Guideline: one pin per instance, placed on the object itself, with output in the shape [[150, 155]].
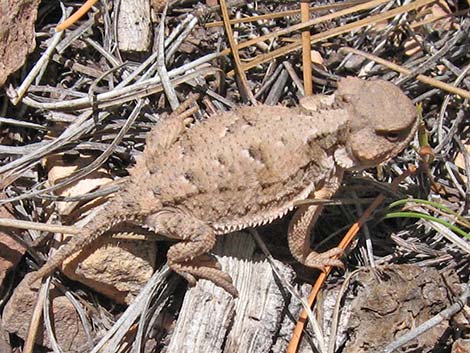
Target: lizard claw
[[327, 258], [190, 272], [206, 260]]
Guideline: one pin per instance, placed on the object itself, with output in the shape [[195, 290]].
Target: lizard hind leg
[[299, 240], [301, 225], [189, 257]]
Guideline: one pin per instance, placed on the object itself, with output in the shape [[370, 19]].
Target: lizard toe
[[190, 272], [187, 276], [206, 260], [327, 258]]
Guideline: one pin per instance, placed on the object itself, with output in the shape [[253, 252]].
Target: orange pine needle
[[76, 16], [306, 49]]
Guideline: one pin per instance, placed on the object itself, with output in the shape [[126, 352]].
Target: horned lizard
[[247, 167]]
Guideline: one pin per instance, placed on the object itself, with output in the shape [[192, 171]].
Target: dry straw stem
[[261, 59], [437, 18], [76, 16], [37, 68], [306, 50], [46, 308], [309, 23], [89, 3], [53, 228], [282, 14], [157, 289], [168, 88], [126, 94], [428, 80], [70, 230], [35, 320], [348, 238], [245, 89]]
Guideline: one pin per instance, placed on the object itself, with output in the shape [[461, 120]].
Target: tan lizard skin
[[250, 166]]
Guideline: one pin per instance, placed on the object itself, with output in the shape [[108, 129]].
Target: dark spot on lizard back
[[255, 153], [189, 176], [221, 160]]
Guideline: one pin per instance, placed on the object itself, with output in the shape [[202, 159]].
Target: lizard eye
[[392, 136]]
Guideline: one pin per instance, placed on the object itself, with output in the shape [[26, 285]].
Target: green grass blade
[[429, 218]]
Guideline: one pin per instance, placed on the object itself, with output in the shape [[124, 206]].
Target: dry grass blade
[[332, 32], [245, 90], [126, 94], [57, 228], [283, 14], [306, 50], [348, 238], [47, 318], [156, 287], [433, 19], [428, 80], [310, 23], [38, 67], [337, 310], [53, 228], [161, 67], [22, 123], [35, 320]]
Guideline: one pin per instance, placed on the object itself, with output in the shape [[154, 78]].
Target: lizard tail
[[75, 244]]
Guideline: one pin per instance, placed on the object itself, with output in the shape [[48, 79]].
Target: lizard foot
[[206, 260], [189, 258], [191, 272], [321, 260]]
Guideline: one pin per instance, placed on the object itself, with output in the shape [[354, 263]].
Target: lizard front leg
[[301, 225], [169, 130], [189, 257]]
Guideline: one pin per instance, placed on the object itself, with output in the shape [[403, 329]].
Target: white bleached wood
[[134, 26], [211, 320]]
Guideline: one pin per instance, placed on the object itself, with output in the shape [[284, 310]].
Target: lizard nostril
[[347, 98]]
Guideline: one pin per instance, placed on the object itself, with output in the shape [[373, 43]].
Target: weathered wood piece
[[17, 34], [134, 26], [211, 320]]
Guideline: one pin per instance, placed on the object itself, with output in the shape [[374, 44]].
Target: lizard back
[[248, 166]]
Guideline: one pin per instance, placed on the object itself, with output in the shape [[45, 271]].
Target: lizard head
[[383, 120]]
